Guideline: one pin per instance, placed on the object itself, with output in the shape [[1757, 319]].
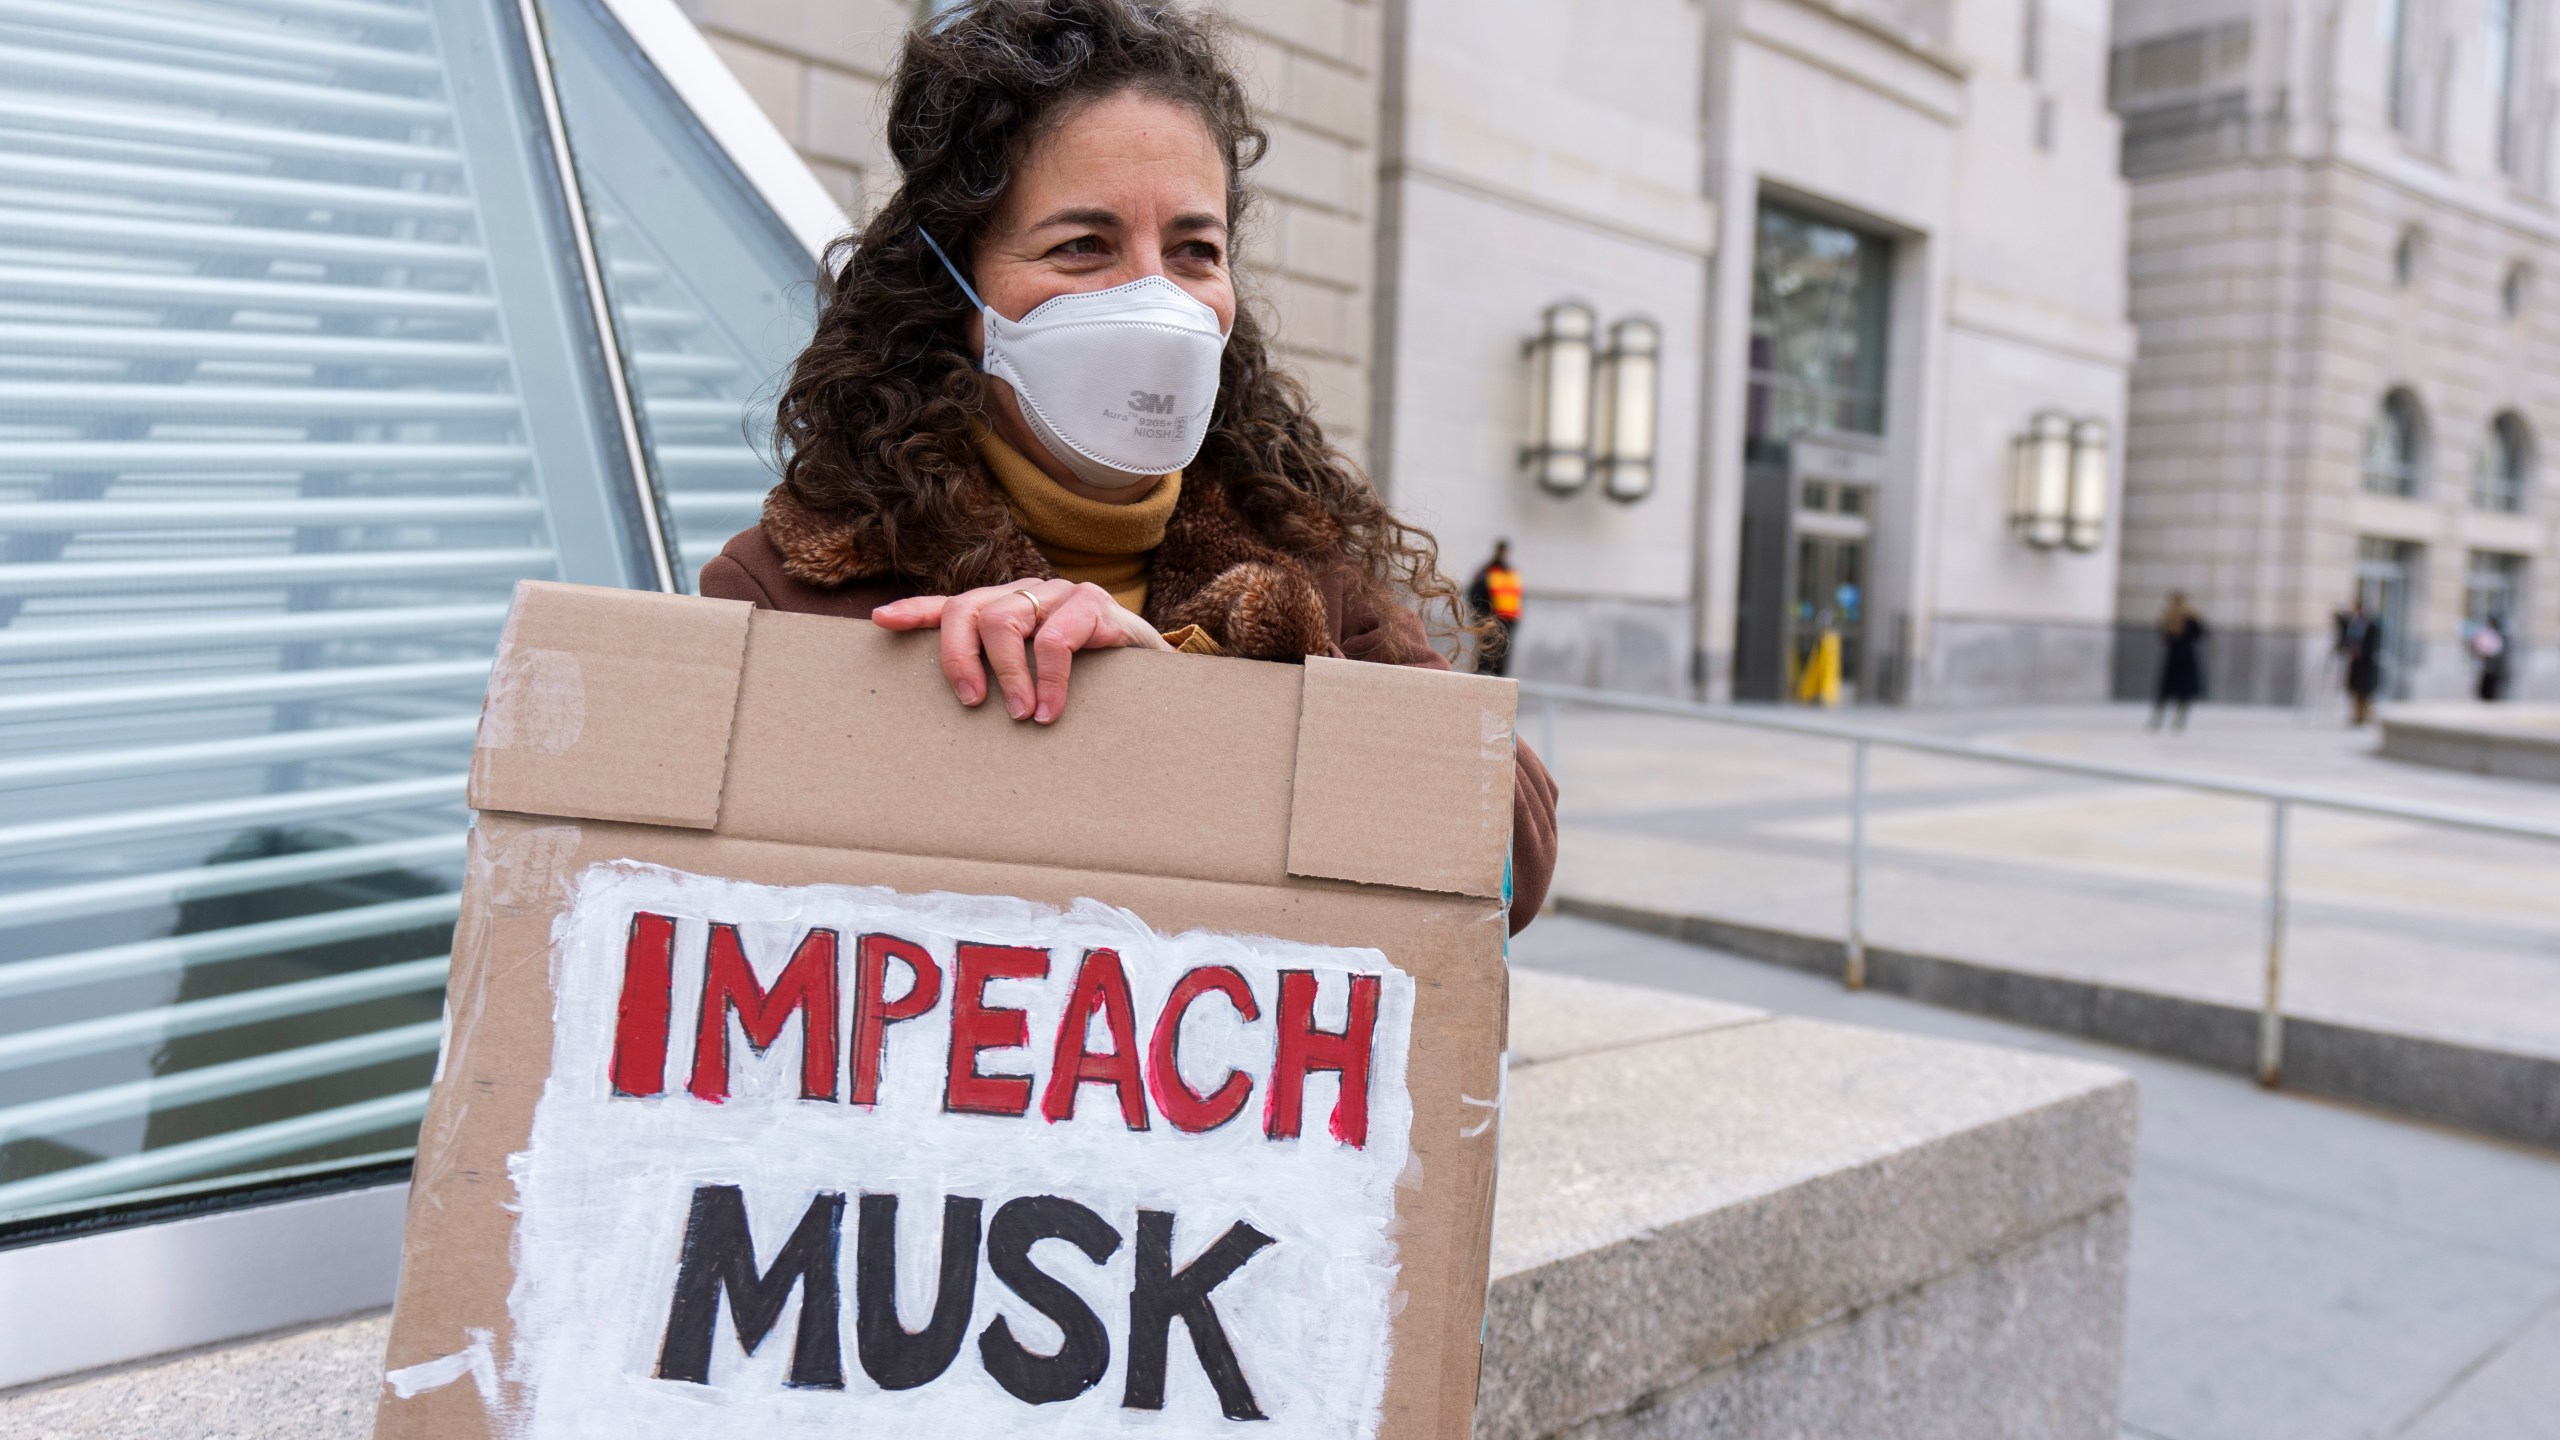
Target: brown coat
[[1208, 572]]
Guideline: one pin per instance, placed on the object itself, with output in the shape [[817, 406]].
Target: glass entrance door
[[1827, 593], [2386, 573], [1830, 599], [1814, 418]]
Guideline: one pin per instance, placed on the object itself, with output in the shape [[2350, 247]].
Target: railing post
[[2271, 1019], [1854, 972], [1547, 736]]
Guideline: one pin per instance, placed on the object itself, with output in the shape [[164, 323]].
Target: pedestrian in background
[[2489, 646], [1494, 596], [2181, 684], [2360, 646]]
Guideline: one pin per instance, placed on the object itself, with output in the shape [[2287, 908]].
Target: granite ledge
[[1800, 1221], [1817, 1169]]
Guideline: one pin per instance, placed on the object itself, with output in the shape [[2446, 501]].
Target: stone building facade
[[1876, 238], [2344, 260]]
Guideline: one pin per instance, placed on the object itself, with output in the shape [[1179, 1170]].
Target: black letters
[[1086, 1351], [896, 1357], [1162, 1294], [719, 1255], [719, 1258]]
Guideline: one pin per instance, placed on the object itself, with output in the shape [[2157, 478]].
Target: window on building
[[2407, 255], [2186, 68], [2515, 290], [2506, 465], [2401, 104], [2184, 97], [2500, 44], [1824, 497], [2395, 447], [2493, 586], [1818, 316], [300, 373]]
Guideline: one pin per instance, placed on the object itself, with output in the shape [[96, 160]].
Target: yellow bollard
[[1819, 683]]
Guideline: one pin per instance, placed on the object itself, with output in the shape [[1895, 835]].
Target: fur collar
[[1213, 570]]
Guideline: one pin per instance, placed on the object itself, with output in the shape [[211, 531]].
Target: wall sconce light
[[1626, 412], [2058, 482], [1560, 364], [2089, 451]]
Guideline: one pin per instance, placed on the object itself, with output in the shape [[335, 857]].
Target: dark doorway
[[1812, 451]]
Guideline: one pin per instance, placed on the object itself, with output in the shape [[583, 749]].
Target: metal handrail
[[2280, 801]]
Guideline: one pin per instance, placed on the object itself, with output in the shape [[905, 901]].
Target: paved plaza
[[2301, 1269], [2396, 926]]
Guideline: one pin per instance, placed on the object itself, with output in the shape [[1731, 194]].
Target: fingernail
[[970, 695], [1015, 708]]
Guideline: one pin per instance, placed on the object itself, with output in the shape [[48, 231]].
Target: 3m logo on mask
[[1147, 402]]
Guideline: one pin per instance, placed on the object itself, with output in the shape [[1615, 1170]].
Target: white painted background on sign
[[605, 1182]]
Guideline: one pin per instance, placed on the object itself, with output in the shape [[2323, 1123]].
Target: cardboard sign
[[827, 1058]]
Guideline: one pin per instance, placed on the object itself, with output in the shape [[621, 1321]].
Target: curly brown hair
[[876, 425]]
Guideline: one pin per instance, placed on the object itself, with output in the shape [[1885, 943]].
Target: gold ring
[[1038, 615]]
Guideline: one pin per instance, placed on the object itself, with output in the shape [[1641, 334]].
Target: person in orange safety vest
[[1495, 595]]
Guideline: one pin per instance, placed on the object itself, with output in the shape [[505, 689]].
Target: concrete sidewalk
[[2301, 1269], [2397, 927]]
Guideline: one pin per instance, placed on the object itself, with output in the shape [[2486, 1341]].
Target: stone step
[[1713, 1220]]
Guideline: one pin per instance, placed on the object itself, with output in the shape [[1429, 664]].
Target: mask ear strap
[[965, 287]]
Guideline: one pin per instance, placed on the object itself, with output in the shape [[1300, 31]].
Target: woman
[[2489, 646], [2181, 660], [1035, 416], [2360, 646]]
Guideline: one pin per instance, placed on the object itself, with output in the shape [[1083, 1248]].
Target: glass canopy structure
[[322, 324]]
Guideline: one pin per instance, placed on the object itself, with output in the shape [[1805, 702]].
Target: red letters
[[640, 1024], [976, 1026], [874, 1011], [810, 985], [1100, 984], [1190, 1111], [807, 984], [1304, 1048]]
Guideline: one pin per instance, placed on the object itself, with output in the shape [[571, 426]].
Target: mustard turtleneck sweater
[[1084, 540]]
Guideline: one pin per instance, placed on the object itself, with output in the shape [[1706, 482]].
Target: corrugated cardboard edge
[[1404, 778], [847, 735], [611, 705]]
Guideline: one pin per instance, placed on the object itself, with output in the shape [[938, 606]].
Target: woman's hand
[[1028, 634]]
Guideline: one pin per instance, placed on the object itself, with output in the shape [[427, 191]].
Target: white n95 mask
[[1117, 383]]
